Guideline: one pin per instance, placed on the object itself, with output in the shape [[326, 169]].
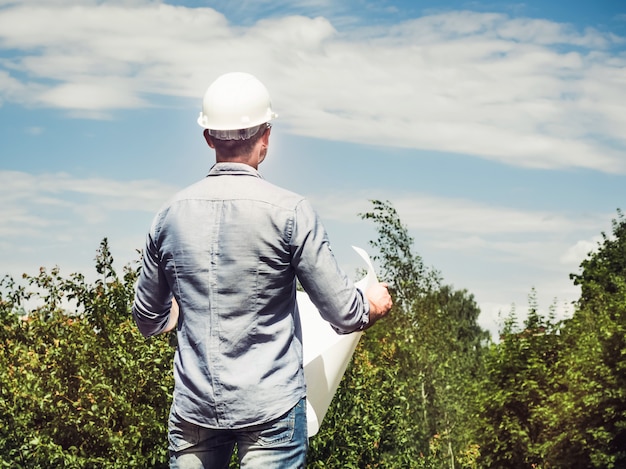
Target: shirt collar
[[235, 169]]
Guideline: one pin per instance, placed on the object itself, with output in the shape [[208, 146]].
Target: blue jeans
[[280, 443]]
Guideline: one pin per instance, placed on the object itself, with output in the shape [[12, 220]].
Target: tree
[[402, 401], [514, 399], [592, 432], [81, 388], [555, 392], [603, 271]]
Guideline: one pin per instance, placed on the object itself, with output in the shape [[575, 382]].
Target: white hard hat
[[235, 106]]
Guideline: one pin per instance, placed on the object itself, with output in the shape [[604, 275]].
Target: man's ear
[[264, 142], [266, 136], [208, 138]]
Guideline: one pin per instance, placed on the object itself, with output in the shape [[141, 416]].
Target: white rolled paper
[[326, 353]]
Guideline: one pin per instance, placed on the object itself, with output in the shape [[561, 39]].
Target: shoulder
[[237, 188], [280, 196]]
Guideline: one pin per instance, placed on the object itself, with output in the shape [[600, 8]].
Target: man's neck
[[246, 159]]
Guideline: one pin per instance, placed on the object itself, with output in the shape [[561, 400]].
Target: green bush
[[81, 388]]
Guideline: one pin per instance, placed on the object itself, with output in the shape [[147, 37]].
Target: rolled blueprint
[[326, 353]]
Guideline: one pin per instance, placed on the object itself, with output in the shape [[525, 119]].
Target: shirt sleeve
[[153, 296], [336, 297]]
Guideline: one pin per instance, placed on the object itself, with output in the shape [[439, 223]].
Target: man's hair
[[232, 148]]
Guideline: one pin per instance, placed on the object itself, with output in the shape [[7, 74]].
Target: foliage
[[409, 278], [515, 394], [592, 432], [80, 389], [402, 401], [555, 392]]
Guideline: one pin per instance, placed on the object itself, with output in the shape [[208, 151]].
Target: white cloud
[[465, 216], [85, 96], [428, 213], [496, 252], [540, 31], [526, 92], [58, 219], [35, 204], [576, 253]]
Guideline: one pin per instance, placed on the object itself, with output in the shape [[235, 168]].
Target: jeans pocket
[[181, 434], [275, 432]]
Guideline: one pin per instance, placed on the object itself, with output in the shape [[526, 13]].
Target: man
[[220, 264]]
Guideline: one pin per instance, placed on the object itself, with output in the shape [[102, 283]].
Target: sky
[[495, 129]]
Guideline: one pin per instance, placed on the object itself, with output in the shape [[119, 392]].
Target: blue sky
[[494, 128]]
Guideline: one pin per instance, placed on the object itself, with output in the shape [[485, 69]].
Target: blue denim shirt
[[229, 249]]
